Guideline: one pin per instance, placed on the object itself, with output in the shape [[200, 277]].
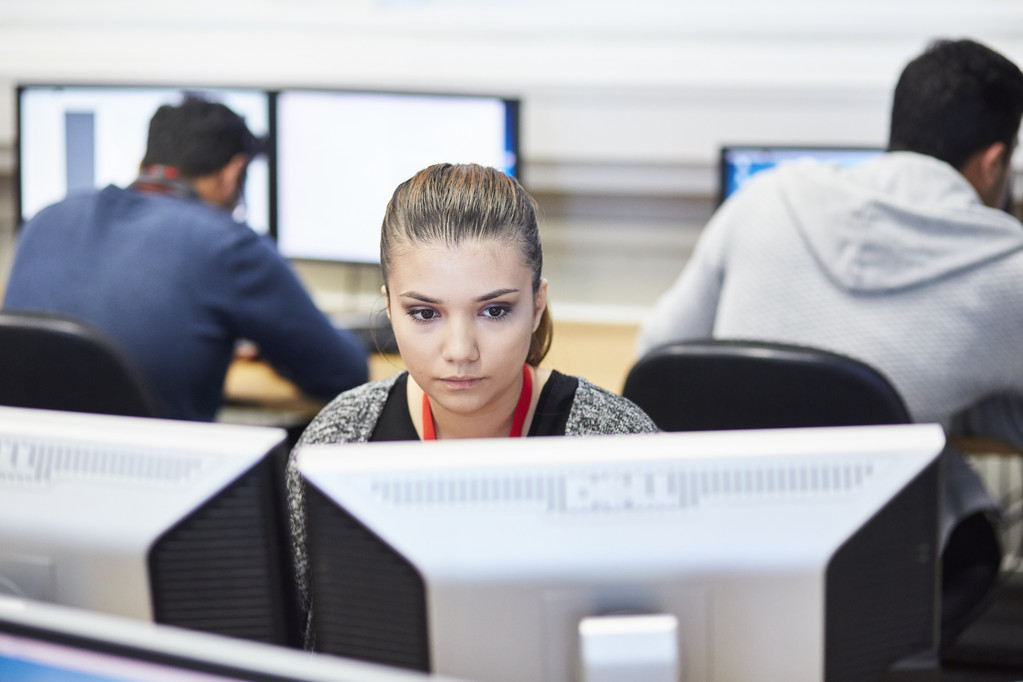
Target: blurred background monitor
[[341, 154], [738, 163], [73, 137], [48, 643], [159, 520], [783, 554]]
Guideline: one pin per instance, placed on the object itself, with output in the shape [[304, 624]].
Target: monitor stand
[[625, 648]]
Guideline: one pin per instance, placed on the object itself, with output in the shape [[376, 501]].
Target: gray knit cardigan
[[353, 415]]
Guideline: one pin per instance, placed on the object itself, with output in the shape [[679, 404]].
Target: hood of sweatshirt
[[897, 221]]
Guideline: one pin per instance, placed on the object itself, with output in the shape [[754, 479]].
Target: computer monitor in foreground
[[738, 163], [159, 520], [705, 557], [74, 137], [341, 154], [55, 643]]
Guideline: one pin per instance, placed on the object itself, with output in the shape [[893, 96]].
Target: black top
[[549, 418]]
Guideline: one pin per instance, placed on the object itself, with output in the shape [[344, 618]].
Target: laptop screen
[[739, 163]]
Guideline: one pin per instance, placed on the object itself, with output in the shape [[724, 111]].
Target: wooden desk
[[255, 394], [601, 353], [982, 445]]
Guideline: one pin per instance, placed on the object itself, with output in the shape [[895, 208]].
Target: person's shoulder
[[212, 232], [75, 214], [351, 416], [75, 201], [596, 410]]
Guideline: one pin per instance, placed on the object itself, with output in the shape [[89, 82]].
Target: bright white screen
[[340, 156], [119, 122]]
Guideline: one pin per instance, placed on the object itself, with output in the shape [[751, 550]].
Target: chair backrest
[[53, 362], [730, 384]]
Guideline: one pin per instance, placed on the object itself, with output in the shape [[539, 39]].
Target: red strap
[[518, 420], [525, 398]]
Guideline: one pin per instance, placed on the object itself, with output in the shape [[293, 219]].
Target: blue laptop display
[[739, 163]]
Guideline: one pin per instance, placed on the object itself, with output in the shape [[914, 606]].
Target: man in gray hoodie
[[905, 262]]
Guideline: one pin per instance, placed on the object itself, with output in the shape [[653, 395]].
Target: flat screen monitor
[[738, 163], [789, 554], [45, 642], [74, 137], [158, 520], [341, 154]]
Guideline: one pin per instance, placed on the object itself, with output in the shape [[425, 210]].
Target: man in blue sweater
[[164, 269]]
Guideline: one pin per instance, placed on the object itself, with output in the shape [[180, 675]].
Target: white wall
[[625, 103], [643, 81]]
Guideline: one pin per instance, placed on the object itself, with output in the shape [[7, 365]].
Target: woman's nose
[[460, 342]]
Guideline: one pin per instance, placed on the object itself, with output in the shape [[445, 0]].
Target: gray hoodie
[[903, 221], [896, 262]]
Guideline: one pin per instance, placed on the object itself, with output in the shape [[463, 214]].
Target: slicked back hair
[[452, 204]]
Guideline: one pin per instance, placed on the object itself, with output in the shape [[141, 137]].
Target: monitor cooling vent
[[33, 462], [620, 490]]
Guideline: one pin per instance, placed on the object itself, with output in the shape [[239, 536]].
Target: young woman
[[461, 260]]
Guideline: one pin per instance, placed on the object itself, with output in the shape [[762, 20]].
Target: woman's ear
[[539, 302], [387, 300]]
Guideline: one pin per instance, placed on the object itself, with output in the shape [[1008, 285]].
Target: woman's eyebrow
[[497, 293], [418, 297]]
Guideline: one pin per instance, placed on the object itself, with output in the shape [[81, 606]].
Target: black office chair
[[718, 384], [53, 362]]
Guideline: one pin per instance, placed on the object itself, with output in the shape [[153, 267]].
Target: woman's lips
[[460, 382]]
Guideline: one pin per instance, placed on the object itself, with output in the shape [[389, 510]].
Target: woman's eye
[[495, 311], [422, 314]]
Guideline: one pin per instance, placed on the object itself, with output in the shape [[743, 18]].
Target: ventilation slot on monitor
[[30, 462], [230, 552], [637, 489], [445, 491], [368, 601]]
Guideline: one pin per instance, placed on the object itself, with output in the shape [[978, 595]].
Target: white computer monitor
[[40, 641], [802, 554], [341, 154], [73, 137], [159, 520]]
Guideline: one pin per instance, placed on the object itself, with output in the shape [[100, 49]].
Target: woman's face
[[463, 317]]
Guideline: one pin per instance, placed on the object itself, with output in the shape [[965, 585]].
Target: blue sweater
[[176, 283]]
